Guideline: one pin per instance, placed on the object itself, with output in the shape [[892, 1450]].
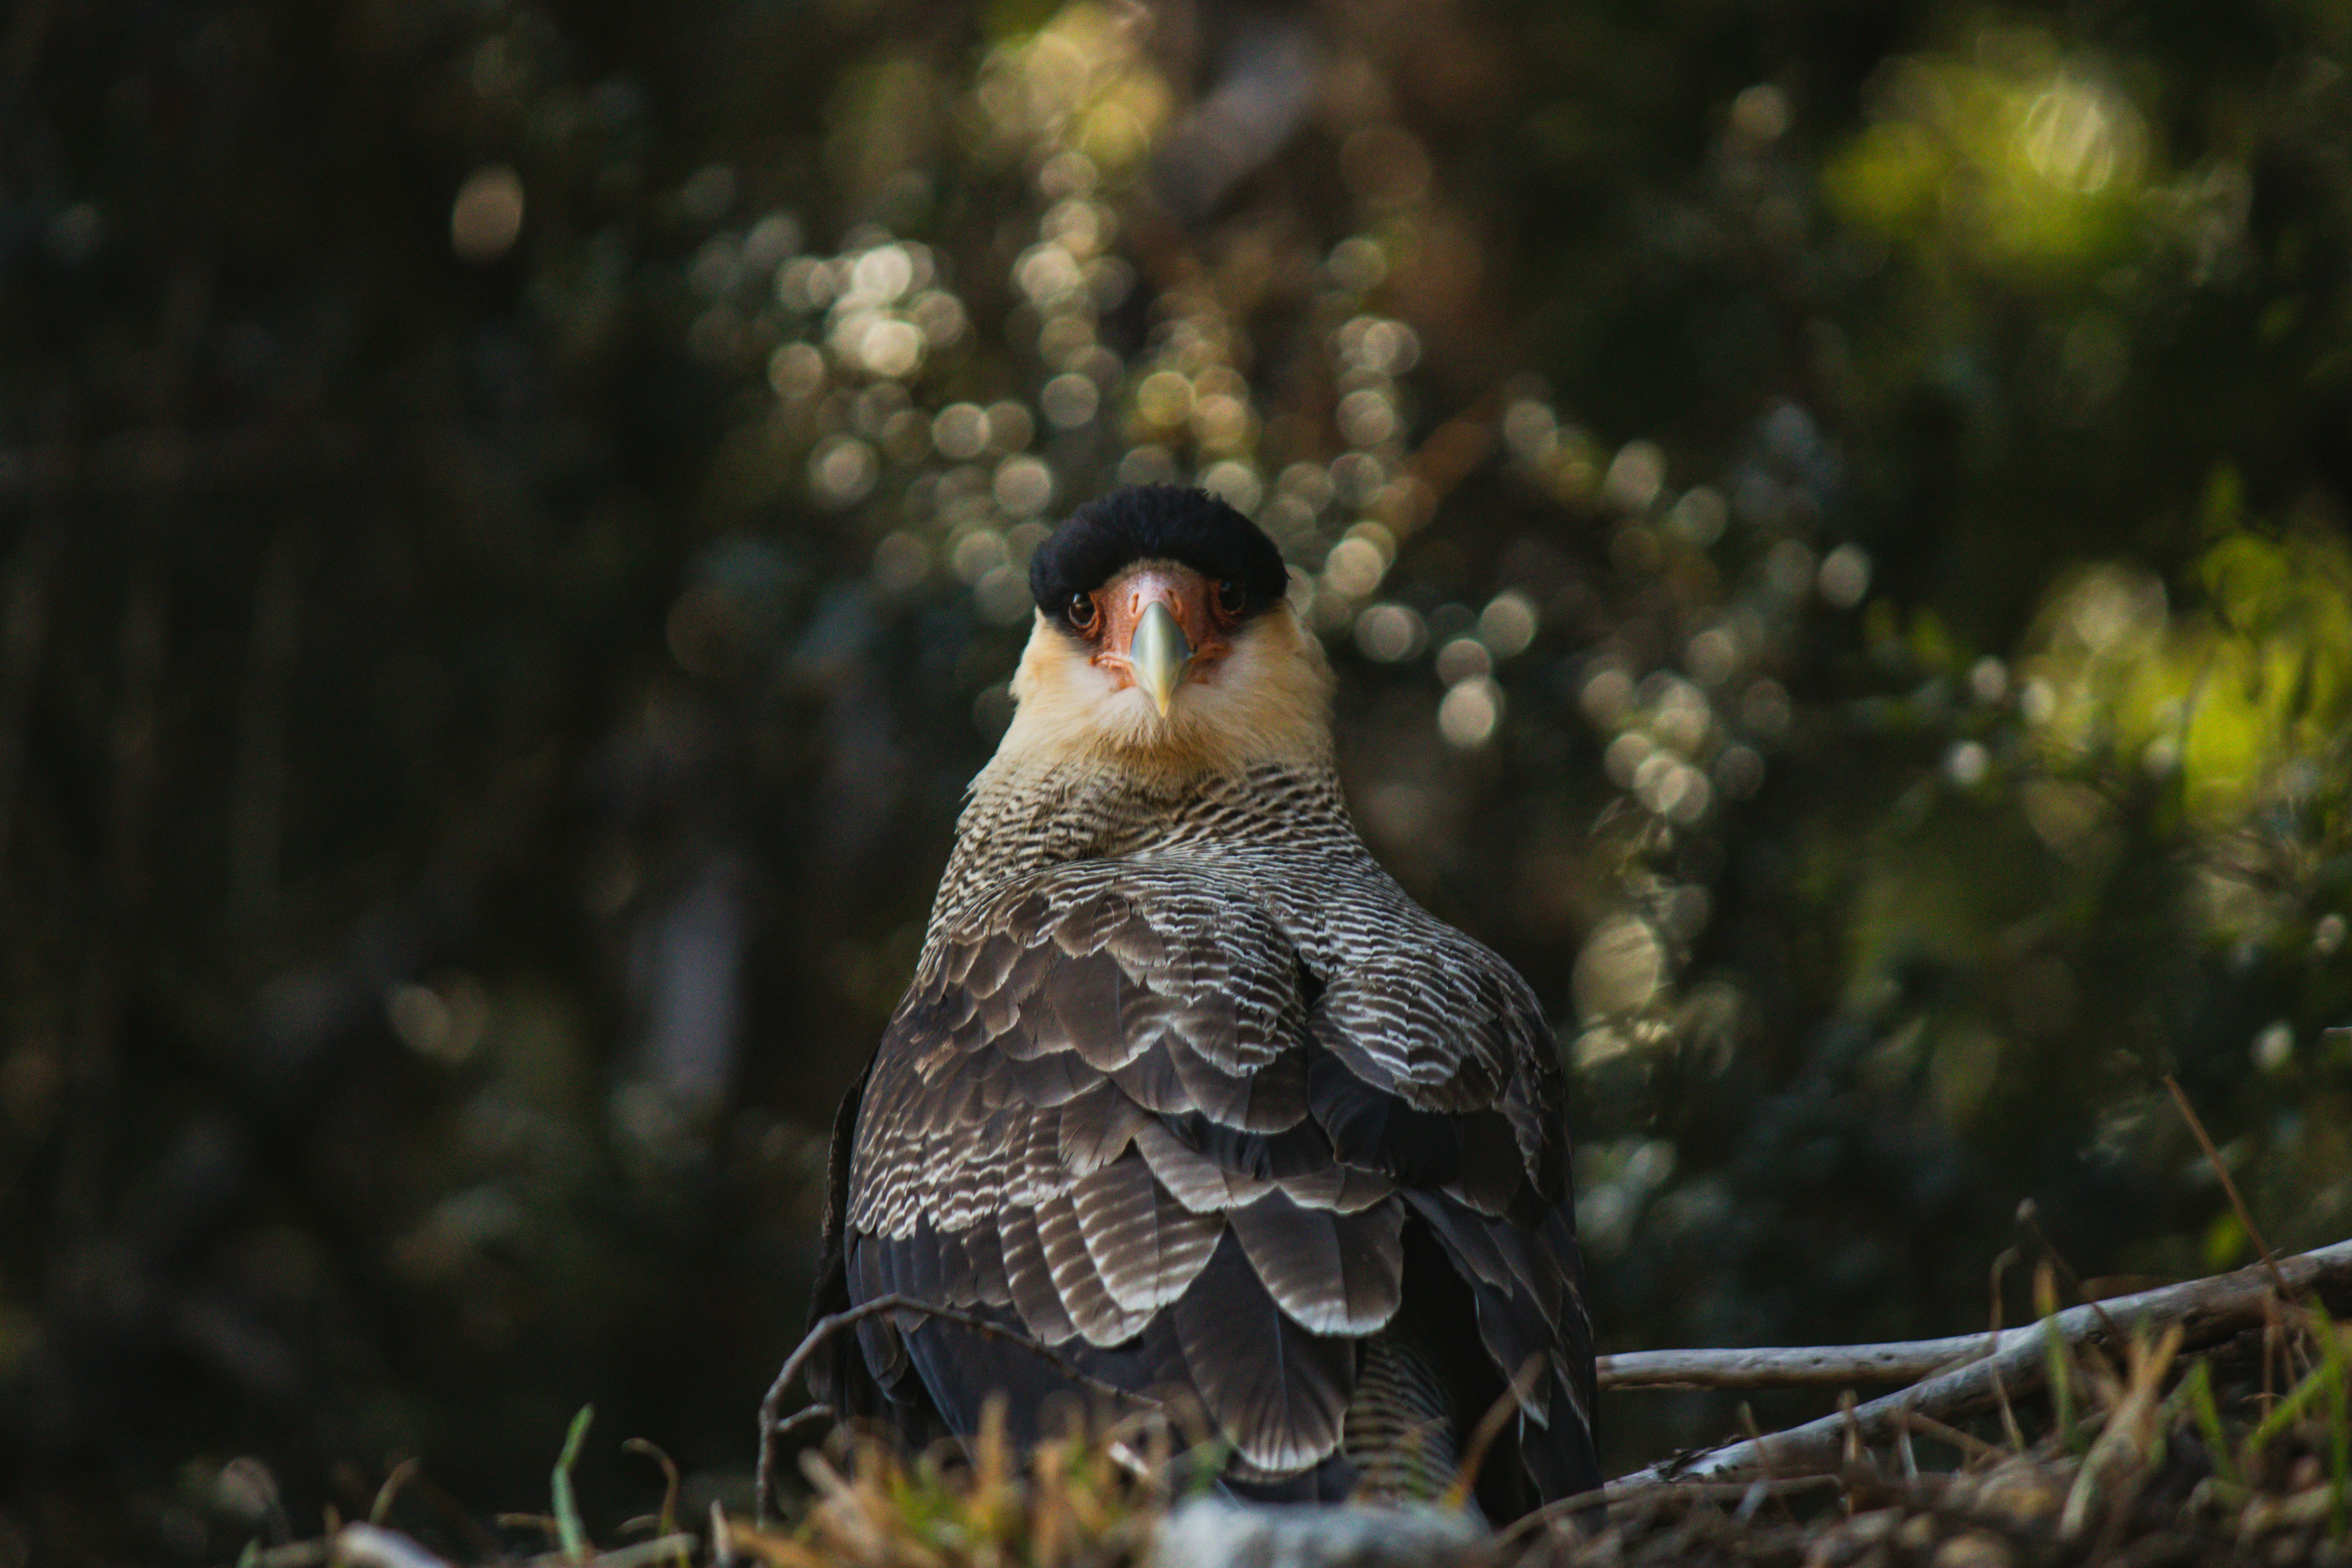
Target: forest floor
[[2112, 1446]]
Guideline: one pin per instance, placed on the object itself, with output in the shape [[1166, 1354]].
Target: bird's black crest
[[1156, 522]]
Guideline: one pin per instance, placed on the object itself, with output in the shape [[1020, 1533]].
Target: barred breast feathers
[[1085, 771]]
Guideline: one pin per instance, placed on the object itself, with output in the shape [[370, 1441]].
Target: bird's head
[[1165, 638]]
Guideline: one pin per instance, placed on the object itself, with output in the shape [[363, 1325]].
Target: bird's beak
[[1159, 654]]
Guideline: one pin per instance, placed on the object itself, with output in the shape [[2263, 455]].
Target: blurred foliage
[[512, 519]]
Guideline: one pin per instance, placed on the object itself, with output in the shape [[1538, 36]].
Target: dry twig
[[2228, 1184], [1898, 1361], [770, 1407], [2205, 1309]]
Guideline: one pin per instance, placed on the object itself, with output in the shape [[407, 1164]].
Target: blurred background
[[1831, 518]]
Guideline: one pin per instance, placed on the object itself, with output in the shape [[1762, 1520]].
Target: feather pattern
[[1277, 1391], [1146, 1247], [1330, 1273], [1184, 1084]]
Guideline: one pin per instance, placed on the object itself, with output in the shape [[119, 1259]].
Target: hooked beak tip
[[1159, 654]]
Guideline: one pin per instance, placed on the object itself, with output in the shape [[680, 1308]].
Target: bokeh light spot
[[1607, 696], [1697, 519], [884, 272], [842, 470], [1464, 659], [978, 553], [1469, 714], [1713, 657], [1390, 633], [1739, 771], [1760, 113], [487, 217], [2328, 935], [1223, 422], [1235, 483], [960, 431], [1070, 401], [1620, 968], [1635, 476], [1844, 576], [1508, 624], [796, 371], [1003, 595], [891, 347], [1367, 417], [1147, 465], [1164, 397], [1530, 429], [1357, 264], [1023, 486], [1353, 568]]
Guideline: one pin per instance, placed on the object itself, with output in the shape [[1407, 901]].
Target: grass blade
[[569, 1532], [2061, 1364], [2198, 1384]]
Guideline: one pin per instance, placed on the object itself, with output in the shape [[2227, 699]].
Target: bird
[[1188, 1097]]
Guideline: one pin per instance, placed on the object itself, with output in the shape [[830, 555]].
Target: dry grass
[[2244, 1455], [1072, 1502], [2139, 1464]]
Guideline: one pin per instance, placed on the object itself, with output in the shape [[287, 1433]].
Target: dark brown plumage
[[1189, 1088]]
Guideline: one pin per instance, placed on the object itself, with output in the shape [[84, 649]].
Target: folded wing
[[1120, 1113]]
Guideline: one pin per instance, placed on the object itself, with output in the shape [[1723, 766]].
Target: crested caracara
[[1187, 1088]]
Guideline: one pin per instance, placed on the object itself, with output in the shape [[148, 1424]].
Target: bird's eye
[[1082, 611], [1229, 596]]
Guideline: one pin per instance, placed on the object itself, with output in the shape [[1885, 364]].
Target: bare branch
[[2206, 1310], [1898, 1361]]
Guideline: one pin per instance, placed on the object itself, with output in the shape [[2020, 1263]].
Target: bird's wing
[[1118, 1113], [1435, 1068]]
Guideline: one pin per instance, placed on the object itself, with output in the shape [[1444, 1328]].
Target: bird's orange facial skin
[[1119, 603], [1247, 690]]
